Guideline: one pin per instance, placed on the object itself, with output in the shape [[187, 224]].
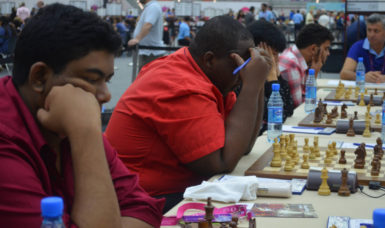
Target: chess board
[[308, 122], [377, 98], [261, 167]]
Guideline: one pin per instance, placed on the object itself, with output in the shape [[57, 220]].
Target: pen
[[241, 66]]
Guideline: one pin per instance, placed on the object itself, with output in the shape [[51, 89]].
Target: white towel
[[228, 191]]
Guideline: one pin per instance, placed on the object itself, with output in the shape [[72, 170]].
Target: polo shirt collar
[[366, 46]]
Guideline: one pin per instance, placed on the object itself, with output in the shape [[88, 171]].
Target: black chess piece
[[344, 114], [350, 131], [342, 159], [355, 115], [317, 115]]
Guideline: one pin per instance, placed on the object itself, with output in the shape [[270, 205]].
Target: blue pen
[[241, 66]]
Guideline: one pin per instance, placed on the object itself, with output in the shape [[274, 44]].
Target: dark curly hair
[[264, 31], [313, 34]]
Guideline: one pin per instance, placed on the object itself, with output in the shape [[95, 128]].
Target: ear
[[208, 60], [313, 48], [39, 74]]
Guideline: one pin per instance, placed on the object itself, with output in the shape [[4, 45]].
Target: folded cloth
[[229, 191]]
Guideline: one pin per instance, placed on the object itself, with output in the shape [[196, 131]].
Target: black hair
[[264, 31], [59, 34], [313, 34], [220, 35], [186, 18]]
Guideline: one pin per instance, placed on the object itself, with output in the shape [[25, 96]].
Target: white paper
[[296, 129], [345, 82]]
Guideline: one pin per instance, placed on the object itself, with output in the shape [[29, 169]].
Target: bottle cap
[[52, 206], [311, 71], [360, 59], [275, 86], [379, 218]]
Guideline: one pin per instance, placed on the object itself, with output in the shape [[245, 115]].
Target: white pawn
[[305, 164], [276, 162]]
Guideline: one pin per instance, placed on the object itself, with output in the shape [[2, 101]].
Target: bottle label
[[360, 76], [275, 114], [311, 92]]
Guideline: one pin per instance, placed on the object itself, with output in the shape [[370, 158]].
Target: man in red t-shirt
[[180, 123], [50, 129]]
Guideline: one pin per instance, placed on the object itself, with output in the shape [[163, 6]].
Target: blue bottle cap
[[52, 206], [311, 71], [360, 59], [275, 86], [379, 218]]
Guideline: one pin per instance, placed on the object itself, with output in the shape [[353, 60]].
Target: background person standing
[[149, 32]]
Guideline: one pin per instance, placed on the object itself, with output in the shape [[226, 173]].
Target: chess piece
[[378, 151], [371, 99], [350, 131], [329, 120], [344, 114], [367, 116], [366, 91], [305, 164], [355, 115], [362, 102], [360, 152], [288, 165], [334, 148], [306, 146], [368, 108], [347, 95], [342, 159], [283, 148], [356, 91], [324, 189], [276, 162], [318, 115], [376, 164], [328, 160], [316, 148], [325, 109], [252, 223], [209, 209], [344, 188], [312, 155], [378, 119], [375, 91], [367, 129], [334, 113]]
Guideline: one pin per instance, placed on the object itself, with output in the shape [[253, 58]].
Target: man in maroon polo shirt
[[50, 130]]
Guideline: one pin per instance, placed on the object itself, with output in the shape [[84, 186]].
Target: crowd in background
[[289, 24]]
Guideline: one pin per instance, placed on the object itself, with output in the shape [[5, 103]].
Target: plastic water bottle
[[383, 122], [274, 110], [360, 74], [52, 211], [379, 218], [311, 92]]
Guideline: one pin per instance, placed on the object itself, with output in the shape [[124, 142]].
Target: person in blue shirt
[[372, 49], [184, 35], [297, 19]]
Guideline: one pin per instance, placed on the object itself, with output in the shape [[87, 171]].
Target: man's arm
[[348, 70], [143, 32], [240, 125], [75, 113]]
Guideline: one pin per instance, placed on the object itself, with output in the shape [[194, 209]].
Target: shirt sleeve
[[21, 189], [133, 200], [152, 15], [354, 51]]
